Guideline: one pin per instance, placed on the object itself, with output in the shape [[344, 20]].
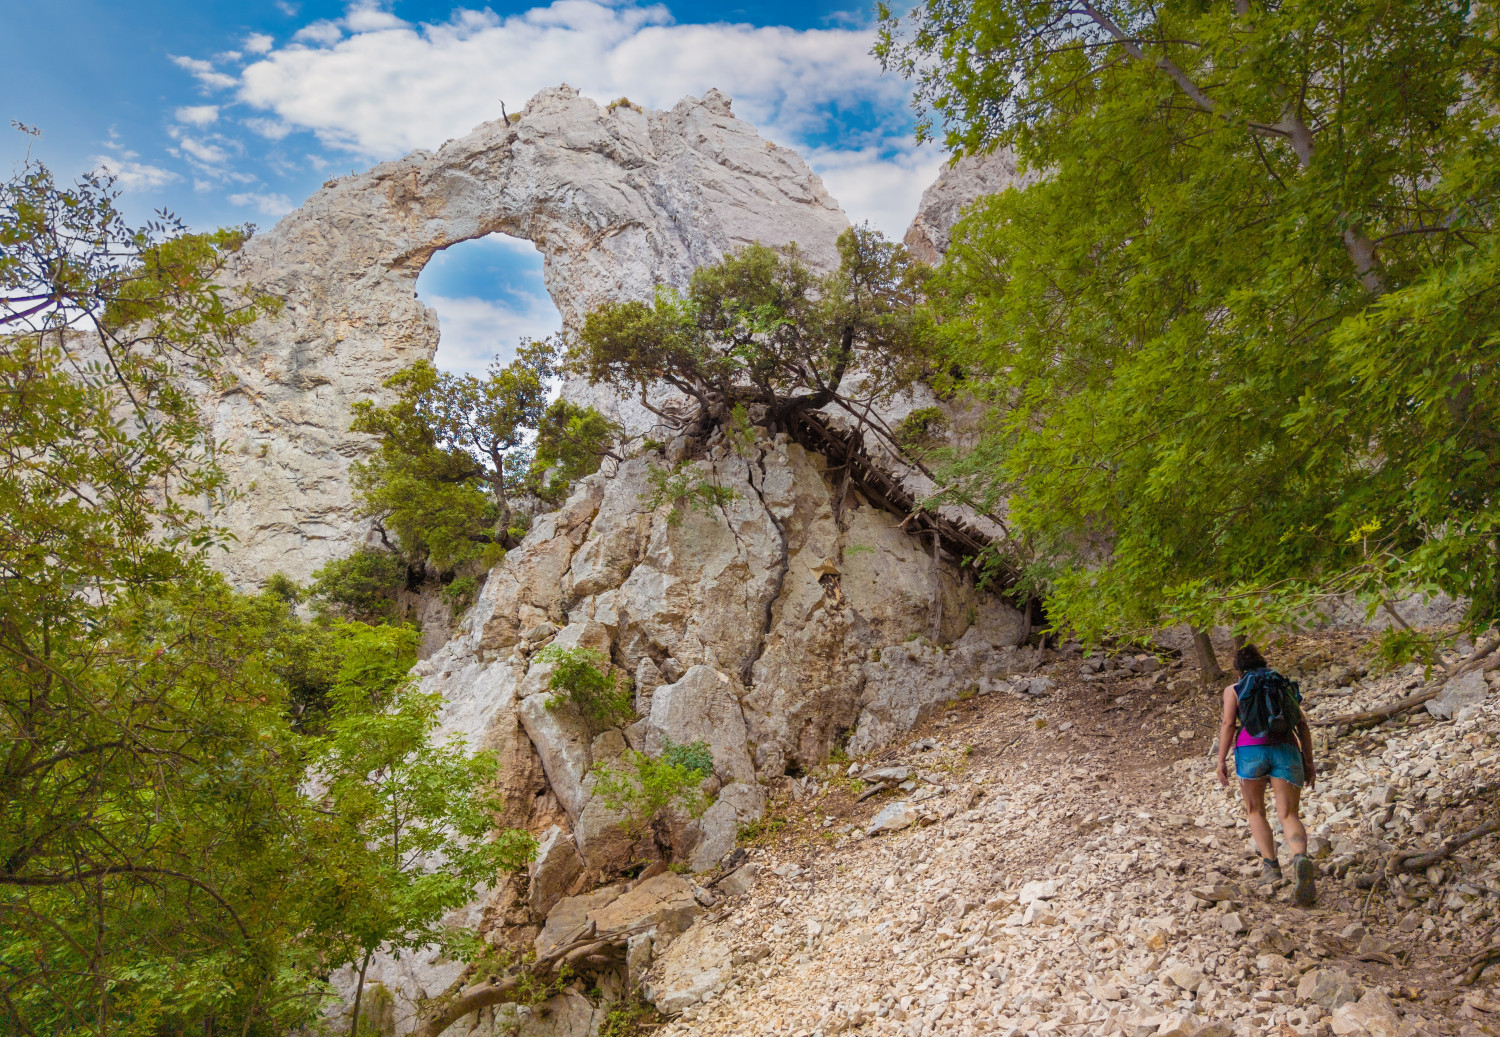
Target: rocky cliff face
[[791, 620], [618, 200], [959, 184]]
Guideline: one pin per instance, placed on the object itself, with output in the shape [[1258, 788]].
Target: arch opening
[[489, 295]]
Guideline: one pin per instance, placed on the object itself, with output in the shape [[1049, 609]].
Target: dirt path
[[1077, 869]]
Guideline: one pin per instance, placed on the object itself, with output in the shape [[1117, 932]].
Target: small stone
[[739, 881], [1233, 923], [1037, 889], [1183, 977], [1318, 847], [786, 870], [1380, 796]]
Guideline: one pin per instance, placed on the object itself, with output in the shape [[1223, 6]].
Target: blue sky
[[228, 113]]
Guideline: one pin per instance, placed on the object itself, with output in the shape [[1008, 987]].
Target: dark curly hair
[[1247, 657]]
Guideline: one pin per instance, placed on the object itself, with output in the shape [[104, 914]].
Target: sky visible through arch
[[229, 113]]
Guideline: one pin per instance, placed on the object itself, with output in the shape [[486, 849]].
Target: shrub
[[694, 756], [361, 587], [585, 679], [682, 484], [649, 788]]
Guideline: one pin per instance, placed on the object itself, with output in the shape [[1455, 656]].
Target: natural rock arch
[[617, 199]]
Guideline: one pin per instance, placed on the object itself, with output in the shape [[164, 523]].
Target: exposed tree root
[[1404, 861], [591, 948], [846, 449]]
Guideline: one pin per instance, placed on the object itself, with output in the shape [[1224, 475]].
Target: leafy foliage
[[760, 327], [686, 483], [571, 442], [692, 756], [158, 841], [455, 450], [360, 587], [1238, 342], [647, 789], [585, 680]]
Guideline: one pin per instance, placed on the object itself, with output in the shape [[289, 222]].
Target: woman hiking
[[1274, 746]]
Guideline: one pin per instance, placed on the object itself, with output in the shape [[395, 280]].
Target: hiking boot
[[1270, 869], [1304, 893]]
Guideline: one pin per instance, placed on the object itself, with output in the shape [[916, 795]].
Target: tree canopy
[[1239, 340], [760, 327], [454, 452], [165, 865]]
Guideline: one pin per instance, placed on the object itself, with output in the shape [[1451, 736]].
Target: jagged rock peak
[[616, 198], [958, 185]]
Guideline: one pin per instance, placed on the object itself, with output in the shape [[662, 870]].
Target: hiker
[[1266, 709]]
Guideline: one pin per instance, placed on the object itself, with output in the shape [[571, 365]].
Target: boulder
[[703, 706], [666, 903], [718, 830], [1372, 1015], [893, 817], [1330, 988], [562, 741], [694, 966], [602, 837], [570, 916], [739, 881], [1463, 691], [554, 870]]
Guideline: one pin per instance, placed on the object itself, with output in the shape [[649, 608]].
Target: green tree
[[760, 327], [158, 845], [1238, 343], [360, 587], [571, 442], [455, 450], [409, 822]]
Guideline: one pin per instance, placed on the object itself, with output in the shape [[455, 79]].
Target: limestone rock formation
[[616, 199], [955, 188]]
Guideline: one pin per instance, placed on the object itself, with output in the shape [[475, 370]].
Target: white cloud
[[391, 86], [290, 10], [132, 175], [378, 86], [475, 331], [319, 32], [881, 185], [271, 129], [266, 204], [204, 72], [198, 115], [259, 43]]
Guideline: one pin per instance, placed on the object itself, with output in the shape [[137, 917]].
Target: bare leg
[[1288, 806], [1254, 791]]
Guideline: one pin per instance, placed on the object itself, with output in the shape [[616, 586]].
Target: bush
[[649, 788], [361, 587], [694, 756], [585, 679], [682, 484]]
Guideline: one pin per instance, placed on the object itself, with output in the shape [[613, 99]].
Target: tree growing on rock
[[455, 452], [762, 329]]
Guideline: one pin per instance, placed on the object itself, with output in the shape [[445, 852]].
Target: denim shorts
[[1282, 761]]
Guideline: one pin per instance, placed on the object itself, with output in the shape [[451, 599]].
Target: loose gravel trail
[[1075, 868]]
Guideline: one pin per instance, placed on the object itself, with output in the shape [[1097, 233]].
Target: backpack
[[1270, 705]]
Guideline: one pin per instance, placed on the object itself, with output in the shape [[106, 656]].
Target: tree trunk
[[1208, 662], [937, 588], [359, 992]]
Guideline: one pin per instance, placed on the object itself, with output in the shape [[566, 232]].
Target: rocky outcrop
[[617, 200], [957, 186]]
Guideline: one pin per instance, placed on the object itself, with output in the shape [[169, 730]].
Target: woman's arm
[[1309, 770], [1227, 725]]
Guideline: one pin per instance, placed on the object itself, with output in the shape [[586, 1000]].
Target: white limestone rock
[[618, 201]]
